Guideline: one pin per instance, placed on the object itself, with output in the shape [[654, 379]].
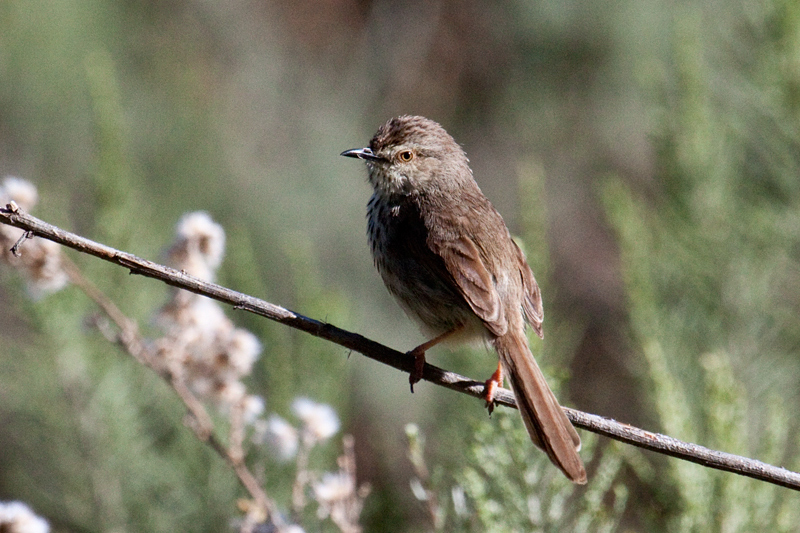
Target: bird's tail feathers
[[547, 425]]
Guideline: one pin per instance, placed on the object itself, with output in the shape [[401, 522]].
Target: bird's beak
[[361, 153]]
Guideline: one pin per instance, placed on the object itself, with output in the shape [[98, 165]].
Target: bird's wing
[[532, 304], [463, 261]]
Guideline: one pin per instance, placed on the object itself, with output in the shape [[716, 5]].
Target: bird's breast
[[413, 274]]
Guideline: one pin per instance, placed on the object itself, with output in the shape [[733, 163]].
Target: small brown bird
[[446, 255]]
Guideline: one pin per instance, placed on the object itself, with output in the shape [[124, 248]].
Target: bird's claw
[[419, 368]]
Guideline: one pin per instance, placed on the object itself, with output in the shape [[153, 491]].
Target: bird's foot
[[490, 387], [419, 366], [419, 355]]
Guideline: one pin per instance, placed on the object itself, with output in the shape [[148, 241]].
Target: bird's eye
[[405, 156]]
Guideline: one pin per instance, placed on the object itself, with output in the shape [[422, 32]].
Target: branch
[[197, 419], [656, 442]]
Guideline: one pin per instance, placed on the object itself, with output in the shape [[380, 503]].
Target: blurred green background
[[646, 153]]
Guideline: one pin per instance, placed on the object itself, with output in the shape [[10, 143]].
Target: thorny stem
[[17, 245], [655, 442]]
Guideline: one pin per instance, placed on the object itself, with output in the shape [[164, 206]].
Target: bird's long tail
[[547, 425]]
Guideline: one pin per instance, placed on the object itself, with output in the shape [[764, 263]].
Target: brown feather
[[532, 304], [547, 425], [462, 259], [445, 253]]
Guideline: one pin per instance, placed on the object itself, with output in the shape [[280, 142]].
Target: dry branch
[[656, 442], [198, 419]]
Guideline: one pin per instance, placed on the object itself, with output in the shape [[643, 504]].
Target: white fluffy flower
[[252, 407], [206, 314], [39, 259], [281, 437], [229, 394], [21, 191], [242, 348], [199, 245], [16, 517], [319, 420], [334, 488], [187, 311]]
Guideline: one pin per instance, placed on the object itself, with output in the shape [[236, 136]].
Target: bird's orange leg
[[419, 355], [491, 386]]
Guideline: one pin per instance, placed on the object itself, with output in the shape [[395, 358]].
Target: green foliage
[[94, 438], [513, 486], [504, 484], [127, 114], [700, 398], [113, 195], [711, 273], [710, 259]]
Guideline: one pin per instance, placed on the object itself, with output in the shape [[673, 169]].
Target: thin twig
[[610, 428], [416, 455], [347, 519], [128, 336], [198, 419], [302, 475], [17, 245]]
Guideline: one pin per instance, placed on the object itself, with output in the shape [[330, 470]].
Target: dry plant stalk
[[656, 442]]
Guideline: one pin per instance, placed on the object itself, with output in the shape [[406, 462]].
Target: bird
[[446, 255]]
